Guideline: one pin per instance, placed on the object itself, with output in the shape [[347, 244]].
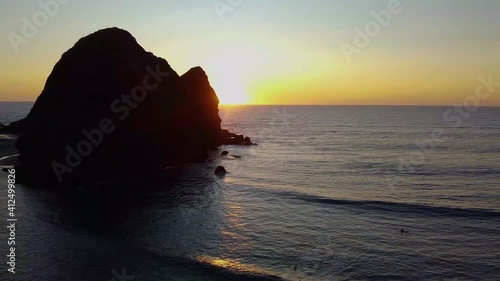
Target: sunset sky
[[279, 52]]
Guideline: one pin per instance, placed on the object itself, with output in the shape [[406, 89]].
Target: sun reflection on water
[[229, 264]]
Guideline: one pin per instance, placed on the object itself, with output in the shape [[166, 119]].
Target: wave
[[458, 172], [488, 150], [407, 208], [424, 170], [8, 137], [9, 161], [195, 268]]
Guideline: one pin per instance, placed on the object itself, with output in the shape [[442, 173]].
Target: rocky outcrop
[[14, 127], [226, 137], [220, 171], [110, 108]]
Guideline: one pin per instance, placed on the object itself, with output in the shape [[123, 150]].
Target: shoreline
[[8, 145]]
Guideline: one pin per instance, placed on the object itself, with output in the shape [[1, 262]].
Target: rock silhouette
[[110, 108], [220, 170]]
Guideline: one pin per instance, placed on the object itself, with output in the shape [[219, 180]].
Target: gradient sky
[[280, 51]]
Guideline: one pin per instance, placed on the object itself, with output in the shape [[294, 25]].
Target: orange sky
[[426, 55]]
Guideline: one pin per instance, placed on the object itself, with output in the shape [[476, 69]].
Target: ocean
[[329, 193]]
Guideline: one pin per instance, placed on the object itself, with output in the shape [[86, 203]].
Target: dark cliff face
[[133, 109], [204, 101]]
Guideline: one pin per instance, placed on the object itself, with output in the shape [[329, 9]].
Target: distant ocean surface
[[13, 111], [324, 196]]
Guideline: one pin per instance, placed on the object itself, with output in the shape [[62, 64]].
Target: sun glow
[[230, 69], [230, 90], [237, 68], [232, 264]]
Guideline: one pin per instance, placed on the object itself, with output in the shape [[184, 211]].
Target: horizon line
[[316, 104], [320, 104]]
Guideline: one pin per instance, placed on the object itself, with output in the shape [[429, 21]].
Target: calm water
[[13, 111], [322, 197]]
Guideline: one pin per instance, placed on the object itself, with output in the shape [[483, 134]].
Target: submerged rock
[[220, 170], [247, 141], [110, 108], [233, 139]]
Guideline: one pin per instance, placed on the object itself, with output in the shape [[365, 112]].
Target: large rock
[[220, 170], [110, 108]]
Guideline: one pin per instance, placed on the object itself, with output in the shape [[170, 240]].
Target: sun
[[230, 90], [227, 79], [229, 69]]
